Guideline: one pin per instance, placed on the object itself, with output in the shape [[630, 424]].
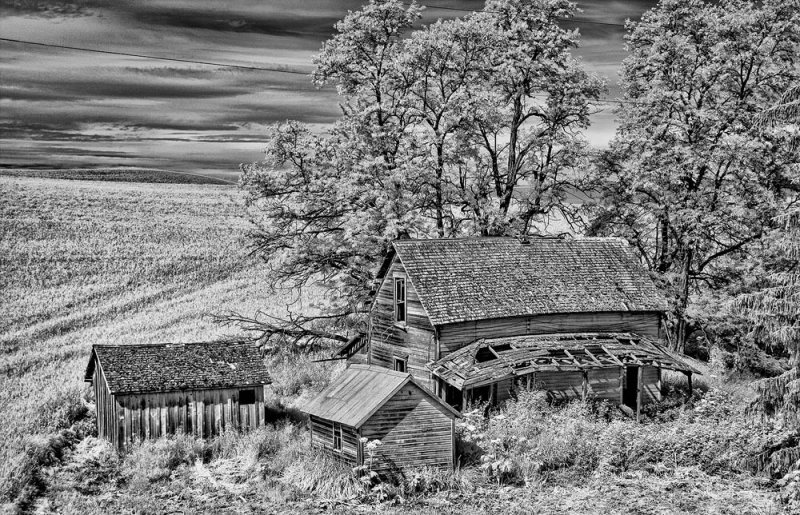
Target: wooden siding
[[454, 336], [322, 438], [651, 384], [203, 413], [560, 385], [598, 384], [605, 384], [105, 406], [413, 340], [415, 432], [504, 389]]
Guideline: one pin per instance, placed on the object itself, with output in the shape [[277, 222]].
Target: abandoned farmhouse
[[473, 319], [453, 322]]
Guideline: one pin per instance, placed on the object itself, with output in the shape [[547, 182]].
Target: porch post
[[689, 379], [639, 393]]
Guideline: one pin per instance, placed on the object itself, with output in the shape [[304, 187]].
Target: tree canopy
[[692, 177], [470, 126]]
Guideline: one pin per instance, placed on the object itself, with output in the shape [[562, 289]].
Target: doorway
[[630, 387]]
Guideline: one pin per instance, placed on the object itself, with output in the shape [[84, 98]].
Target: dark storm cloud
[[51, 8], [110, 88], [93, 109], [315, 27]]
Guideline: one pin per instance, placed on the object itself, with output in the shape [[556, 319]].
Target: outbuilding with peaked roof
[[147, 391], [367, 403]]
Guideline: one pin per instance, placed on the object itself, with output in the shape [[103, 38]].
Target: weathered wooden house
[[416, 428], [472, 319], [148, 391]]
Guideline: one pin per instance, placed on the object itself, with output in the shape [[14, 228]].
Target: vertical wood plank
[[261, 407], [453, 443], [658, 385], [585, 385], [218, 426], [639, 375], [164, 413]]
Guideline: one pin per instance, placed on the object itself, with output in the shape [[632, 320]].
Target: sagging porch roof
[[488, 360]]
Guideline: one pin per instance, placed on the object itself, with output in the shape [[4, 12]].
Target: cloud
[[59, 105]]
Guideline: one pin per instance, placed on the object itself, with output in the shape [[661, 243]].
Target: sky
[[66, 108]]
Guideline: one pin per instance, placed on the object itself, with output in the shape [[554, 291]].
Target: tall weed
[[326, 477], [529, 439]]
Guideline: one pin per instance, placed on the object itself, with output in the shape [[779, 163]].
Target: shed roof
[[178, 366], [469, 279], [355, 395], [492, 359]]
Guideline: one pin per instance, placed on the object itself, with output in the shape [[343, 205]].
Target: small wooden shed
[[148, 391], [416, 428]]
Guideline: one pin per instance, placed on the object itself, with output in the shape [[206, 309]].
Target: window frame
[[400, 303], [404, 362], [337, 448]]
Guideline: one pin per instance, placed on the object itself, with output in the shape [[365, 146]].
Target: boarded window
[[337, 436], [400, 300], [400, 364], [247, 396]]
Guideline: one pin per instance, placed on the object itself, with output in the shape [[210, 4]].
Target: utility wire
[[252, 67], [222, 65], [143, 56]]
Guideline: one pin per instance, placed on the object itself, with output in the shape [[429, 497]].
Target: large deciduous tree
[[692, 178], [470, 126]]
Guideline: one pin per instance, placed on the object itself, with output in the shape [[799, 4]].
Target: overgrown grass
[[94, 262], [530, 440], [85, 263]]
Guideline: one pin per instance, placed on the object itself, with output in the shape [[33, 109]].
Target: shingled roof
[[461, 280], [180, 366], [355, 395], [492, 359]]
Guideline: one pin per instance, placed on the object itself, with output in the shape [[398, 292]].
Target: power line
[[209, 63], [251, 67], [154, 57]]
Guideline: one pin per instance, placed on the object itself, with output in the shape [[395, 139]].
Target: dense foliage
[[470, 126], [693, 178]]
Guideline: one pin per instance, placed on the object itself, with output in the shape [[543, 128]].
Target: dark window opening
[[400, 300], [247, 396], [482, 394], [503, 347], [453, 396], [400, 364], [337, 437], [484, 354]]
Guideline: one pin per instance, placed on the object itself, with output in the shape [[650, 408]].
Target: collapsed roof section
[[489, 360]]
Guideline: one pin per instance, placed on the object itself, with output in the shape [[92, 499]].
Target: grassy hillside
[[86, 262], [107, 262]]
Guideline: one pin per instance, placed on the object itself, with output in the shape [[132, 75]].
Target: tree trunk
[[663, 249], [681, 327], [513, 163], [438, 187]]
